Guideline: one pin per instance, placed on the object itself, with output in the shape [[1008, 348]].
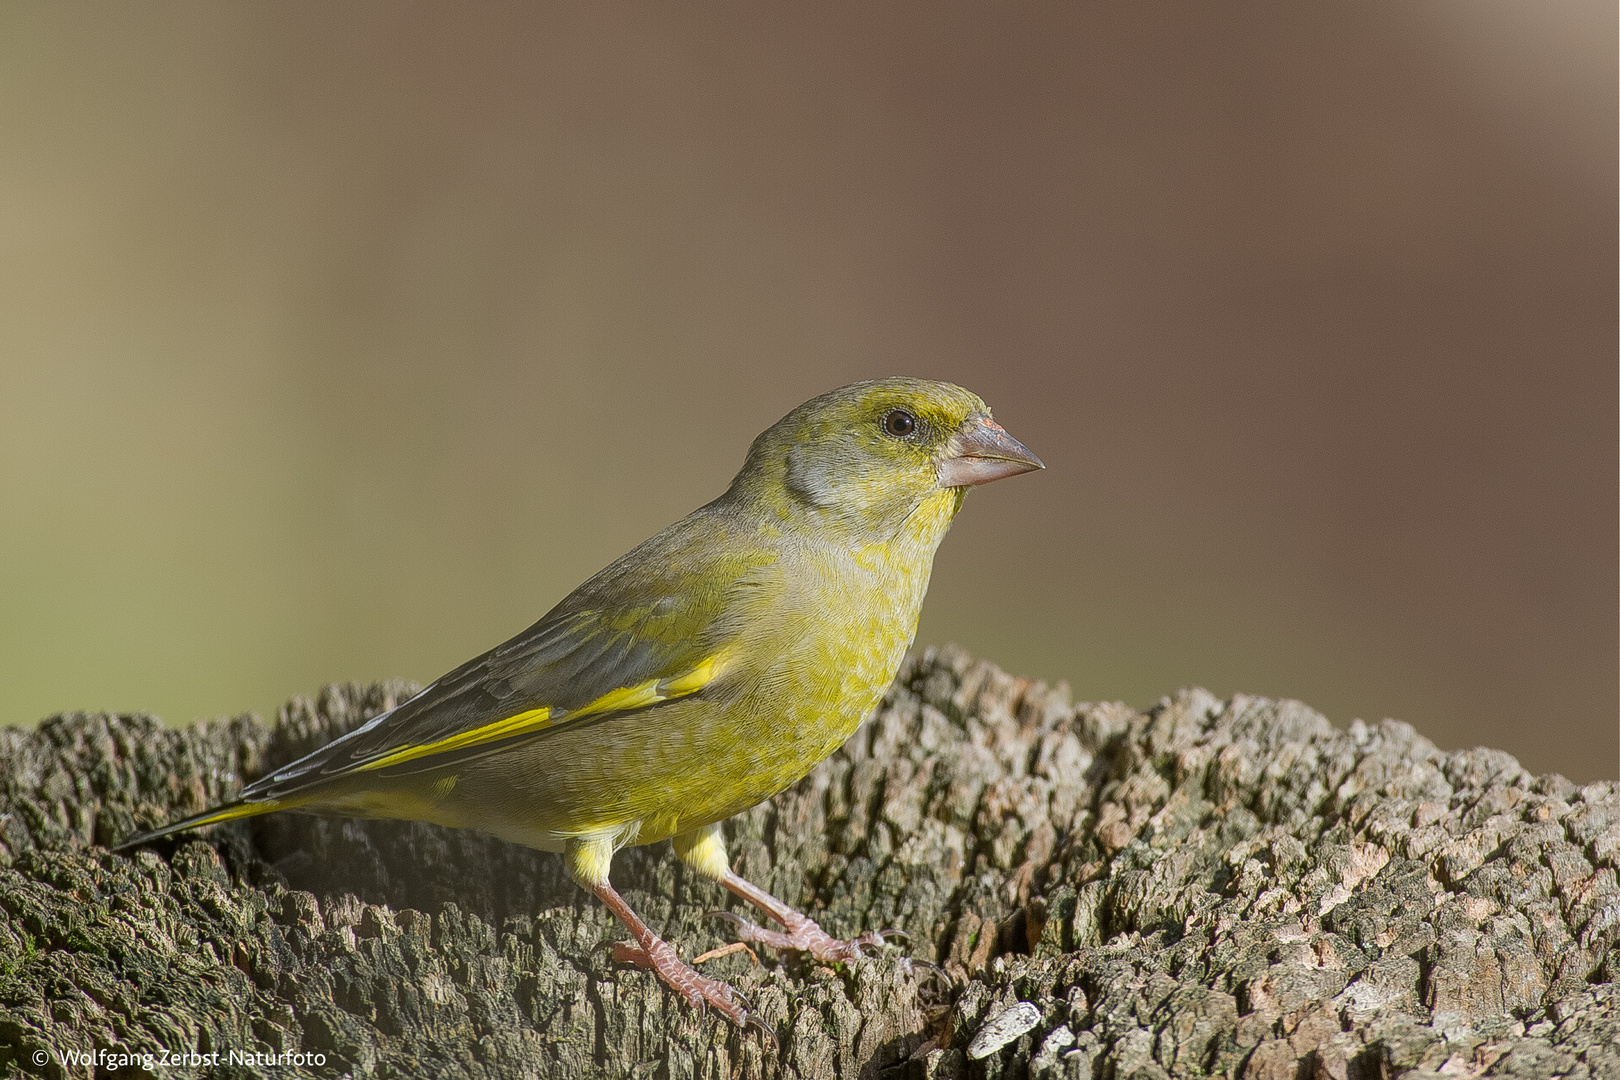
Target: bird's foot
[[698, 990], [803, 934]]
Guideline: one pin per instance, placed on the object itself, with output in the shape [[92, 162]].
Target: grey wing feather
[[562, 662]]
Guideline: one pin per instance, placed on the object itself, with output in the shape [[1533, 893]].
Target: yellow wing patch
[[521, 724], [693, 680], [625, 698], [232, 813]]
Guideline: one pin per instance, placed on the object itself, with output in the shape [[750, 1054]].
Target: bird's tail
[[230, 811]]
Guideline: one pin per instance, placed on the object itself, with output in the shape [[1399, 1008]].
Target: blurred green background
[[339, 341]]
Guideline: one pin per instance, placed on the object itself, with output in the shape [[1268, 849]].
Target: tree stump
[[1209, 887]]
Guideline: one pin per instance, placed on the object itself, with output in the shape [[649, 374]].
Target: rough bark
[[1230, 888]]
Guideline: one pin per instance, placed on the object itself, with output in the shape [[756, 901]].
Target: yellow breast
[[845, 629]]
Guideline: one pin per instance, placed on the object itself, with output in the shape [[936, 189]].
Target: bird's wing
[[571, 666]]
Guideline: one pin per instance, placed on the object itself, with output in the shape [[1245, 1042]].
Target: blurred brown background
[[340, 341]]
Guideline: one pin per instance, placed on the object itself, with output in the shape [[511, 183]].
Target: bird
[[704, 671]]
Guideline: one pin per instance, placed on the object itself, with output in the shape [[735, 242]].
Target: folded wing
[[563, 670], [627, 640]]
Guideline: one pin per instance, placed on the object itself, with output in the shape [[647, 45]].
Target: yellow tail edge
[[228, 812]]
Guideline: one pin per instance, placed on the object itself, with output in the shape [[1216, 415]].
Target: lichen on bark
[[1205, 888]]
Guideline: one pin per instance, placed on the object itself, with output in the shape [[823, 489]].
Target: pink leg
[[802, 932], [651, 951]]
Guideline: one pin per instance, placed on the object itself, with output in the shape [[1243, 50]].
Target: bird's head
[[865, 456]]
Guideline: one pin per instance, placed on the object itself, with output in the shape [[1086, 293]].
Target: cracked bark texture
[[1208, 888]]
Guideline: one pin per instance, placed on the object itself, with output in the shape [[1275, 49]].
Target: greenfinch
[[699, 674]]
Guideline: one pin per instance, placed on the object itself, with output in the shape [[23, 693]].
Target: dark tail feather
[[229, 812]]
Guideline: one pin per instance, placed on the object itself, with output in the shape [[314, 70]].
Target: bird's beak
[[982, 451]]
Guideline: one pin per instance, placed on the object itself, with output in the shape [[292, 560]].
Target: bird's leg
[[648, 950], [704, 849]]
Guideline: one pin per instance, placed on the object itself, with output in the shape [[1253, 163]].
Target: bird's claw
[[700, 991], [909, 964], [770, 1036]]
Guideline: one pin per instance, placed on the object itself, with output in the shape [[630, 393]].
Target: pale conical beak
[[983, 451]]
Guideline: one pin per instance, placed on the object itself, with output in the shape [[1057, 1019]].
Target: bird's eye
[[899, 423]]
